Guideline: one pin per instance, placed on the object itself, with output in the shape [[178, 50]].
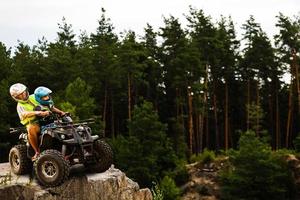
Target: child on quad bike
[[42, 96], [28, 113]]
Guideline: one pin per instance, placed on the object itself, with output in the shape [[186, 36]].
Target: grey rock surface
[[110, 185]]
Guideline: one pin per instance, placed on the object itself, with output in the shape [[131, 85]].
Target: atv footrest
[[91, 139], [69, 141]]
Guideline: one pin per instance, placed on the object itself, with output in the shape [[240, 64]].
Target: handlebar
[[78, 123], [17, 129], [60, 125]]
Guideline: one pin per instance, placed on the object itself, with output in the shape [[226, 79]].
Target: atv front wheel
[[51, 168], [18, 160], [103, 155]]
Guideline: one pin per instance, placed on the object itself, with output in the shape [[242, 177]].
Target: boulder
[[112, 184]]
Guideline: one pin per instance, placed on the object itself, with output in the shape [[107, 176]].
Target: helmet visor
[[46, 98]]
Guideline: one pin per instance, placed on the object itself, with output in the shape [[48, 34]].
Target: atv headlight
[[62, 136], [80, 128]]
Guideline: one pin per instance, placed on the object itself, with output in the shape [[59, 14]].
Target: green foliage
[[255, 113], [143, 168], [169, 189], [4, 149], [180, 173], [148, 144], [68, 107], [178, 138], [78, 93], [297, 143], [157, 193], [90, 76], [6, 179], [205, 157], [256, 173]]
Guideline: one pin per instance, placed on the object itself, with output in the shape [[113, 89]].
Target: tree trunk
[[112, 118], [197, 135], [177, 103], [201, 130], [248, 104], [272, 120], [190, 121], [216, 115], [295, 66], [226, 116], [207, 131], [278, 140], [104, 110], [290, 111], [257, 108], [129, 96], [206, 107]]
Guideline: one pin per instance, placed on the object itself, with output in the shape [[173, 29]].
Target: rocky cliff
[[110, 185], [203, 183]]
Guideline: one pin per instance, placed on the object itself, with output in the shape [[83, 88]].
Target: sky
[[30, 20]]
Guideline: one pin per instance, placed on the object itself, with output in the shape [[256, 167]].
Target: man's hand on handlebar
[[43, 113], [62, 114]]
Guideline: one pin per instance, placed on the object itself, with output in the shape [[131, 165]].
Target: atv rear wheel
[[18, 160], [51, 168], [103, 155]]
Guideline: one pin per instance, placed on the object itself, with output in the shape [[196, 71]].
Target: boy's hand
[[43, 113]]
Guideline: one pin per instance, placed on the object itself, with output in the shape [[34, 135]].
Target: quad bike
[[62, 144]]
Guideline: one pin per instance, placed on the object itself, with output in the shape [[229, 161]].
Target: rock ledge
[[110, 185]]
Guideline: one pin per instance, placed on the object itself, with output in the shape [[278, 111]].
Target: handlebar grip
[[16, 130]]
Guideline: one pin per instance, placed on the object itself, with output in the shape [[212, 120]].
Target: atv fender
[[47, 133], [95, 137]]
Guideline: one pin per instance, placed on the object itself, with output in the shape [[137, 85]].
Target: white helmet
[[16, 89]]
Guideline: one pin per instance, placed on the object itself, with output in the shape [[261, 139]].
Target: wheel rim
[[49, 169], [15, 160]]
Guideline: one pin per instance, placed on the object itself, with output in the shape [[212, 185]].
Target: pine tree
[[61, 63], [107, 71], [286, 42], [78, 94], [227, 53], [182, 73], [260, 70], [203, 34], [131, 60], [153, 70], [8, 113], [148, 143]]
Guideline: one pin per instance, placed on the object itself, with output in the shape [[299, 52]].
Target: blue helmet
[[42, 95]]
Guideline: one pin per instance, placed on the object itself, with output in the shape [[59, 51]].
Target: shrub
[[256, 173], [148, 143], [157, 193], [206, 157], [169, 189], [179, 174], [297, 143]]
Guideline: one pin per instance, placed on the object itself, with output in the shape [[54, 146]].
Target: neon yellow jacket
[[24, 108]]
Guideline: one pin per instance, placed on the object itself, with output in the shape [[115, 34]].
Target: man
[[27, 112], [28, 117]]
